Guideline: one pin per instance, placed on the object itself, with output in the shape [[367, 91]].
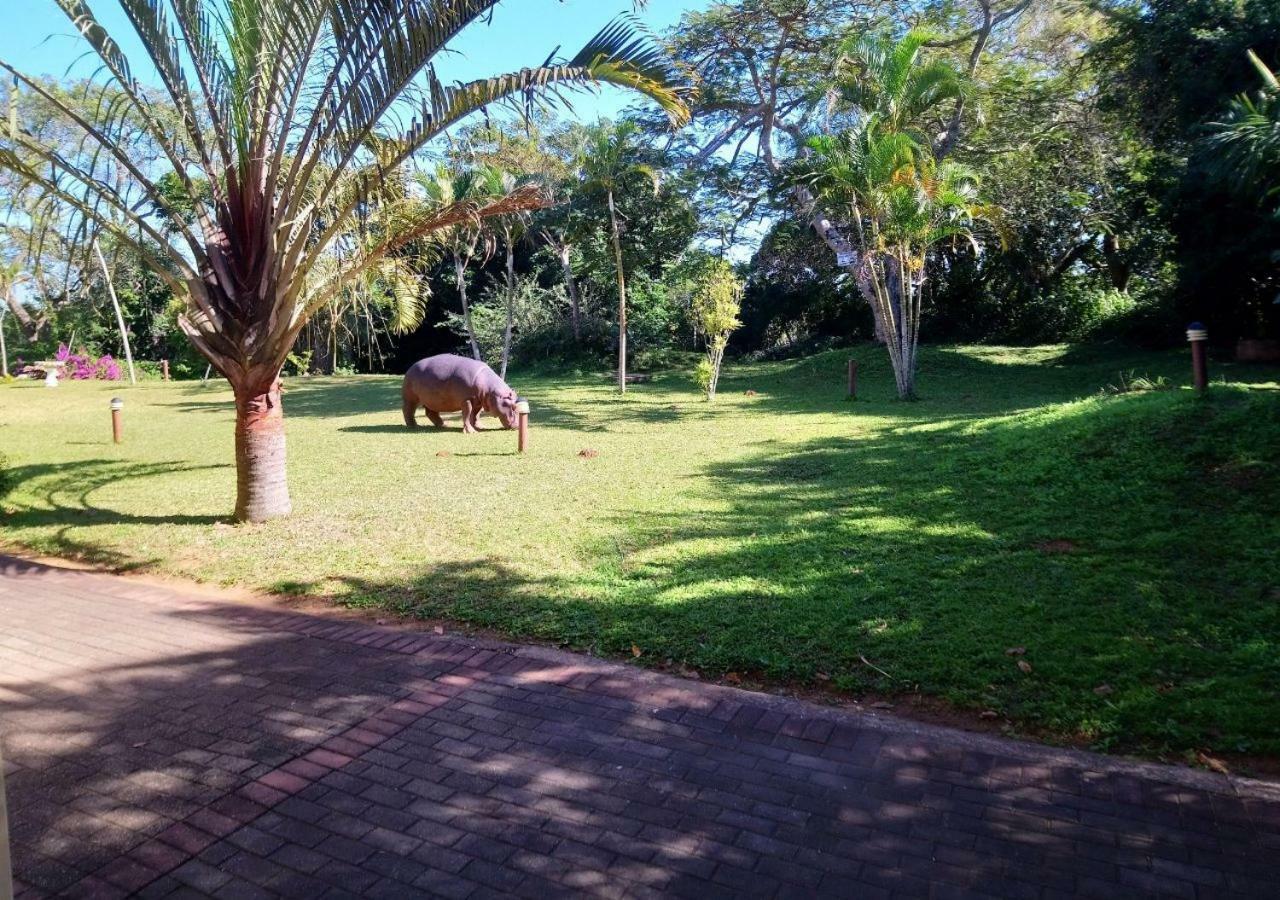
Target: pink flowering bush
[[83, 367]]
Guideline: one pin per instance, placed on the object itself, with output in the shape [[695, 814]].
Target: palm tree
[[278, 102], [890, 79], [465, 239], [1246, 141], [609, 162], [512, 229], [901, 202]]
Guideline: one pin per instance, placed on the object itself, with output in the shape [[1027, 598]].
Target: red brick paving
[[165, 744]]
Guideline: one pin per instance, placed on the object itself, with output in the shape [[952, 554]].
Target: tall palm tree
[[901, 202], [610, 160], [278, 102], [465, 239], [1245, 143], [891, 79], [512, 229]]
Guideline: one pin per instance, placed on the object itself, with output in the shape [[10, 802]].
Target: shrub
[[83, 366]]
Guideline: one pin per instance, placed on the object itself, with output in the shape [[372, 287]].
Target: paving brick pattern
[[163, 743]]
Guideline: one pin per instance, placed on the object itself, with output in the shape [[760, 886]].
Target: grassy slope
[[785, 534]]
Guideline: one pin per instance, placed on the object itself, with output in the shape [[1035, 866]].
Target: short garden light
[[1198, 337], [117, 415], [522, 408]]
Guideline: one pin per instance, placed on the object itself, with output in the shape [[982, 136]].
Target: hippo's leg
[[477, 407], [469, 417], [410, 408], [434, 417]]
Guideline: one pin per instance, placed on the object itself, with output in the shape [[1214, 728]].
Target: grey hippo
[[449, 383]]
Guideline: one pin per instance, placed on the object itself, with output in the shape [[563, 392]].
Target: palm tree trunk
[[511, 301], [115, 303], [4, 351], [622, 298], [262, 491], [460, 268], [571, 286]]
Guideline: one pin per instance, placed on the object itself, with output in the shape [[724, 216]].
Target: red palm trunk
[[262, 492]]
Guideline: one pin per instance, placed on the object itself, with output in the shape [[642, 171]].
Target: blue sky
[[38, 39]]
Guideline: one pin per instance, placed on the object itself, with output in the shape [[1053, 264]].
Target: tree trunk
[[4, 351], [1119, 270], [26, 324], [115, 303], [460, 269], [262, 489], [511, 301], [571, 286], [622, 298]]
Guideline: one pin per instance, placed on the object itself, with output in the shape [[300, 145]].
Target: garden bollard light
[[853, 379], [1198, 337], [522, 407], [117, 425], [164, 369]]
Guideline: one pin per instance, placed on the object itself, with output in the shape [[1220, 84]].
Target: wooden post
[[853, 379], [1199, 337], [117, 416], [522, 408]]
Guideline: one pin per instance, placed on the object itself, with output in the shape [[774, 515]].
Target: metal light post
[[117, 417], [1199, 337]]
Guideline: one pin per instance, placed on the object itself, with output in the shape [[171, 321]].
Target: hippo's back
[[448, 368]]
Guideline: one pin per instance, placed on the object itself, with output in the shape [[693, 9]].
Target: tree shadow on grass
[[61, 497], [1132, 564]]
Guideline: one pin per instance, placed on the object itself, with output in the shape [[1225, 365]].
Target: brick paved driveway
[[176, 744]]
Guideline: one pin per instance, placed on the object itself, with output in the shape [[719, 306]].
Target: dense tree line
[[1097, 196]]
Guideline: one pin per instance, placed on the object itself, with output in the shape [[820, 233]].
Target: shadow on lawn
[[1133, 560], [61, 497], [155, 745]]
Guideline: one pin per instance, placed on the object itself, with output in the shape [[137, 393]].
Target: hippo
[[449, 383]]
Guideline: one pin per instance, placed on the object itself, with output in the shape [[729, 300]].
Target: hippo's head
[[504, 407]]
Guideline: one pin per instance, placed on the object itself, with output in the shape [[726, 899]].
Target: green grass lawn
[[1128, 543]]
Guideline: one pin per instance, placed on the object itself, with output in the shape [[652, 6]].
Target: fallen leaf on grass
[[1103, 690], [989, 714], [750, 393], [1024, 666], [443, 454], [1016, 651], [636, 651], [822, 676], [588, 453]]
